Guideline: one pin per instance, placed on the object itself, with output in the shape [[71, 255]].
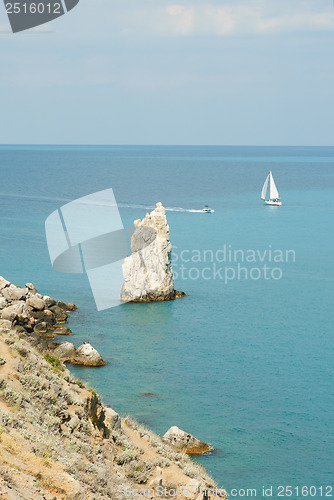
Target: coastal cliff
[[57, 438], [148, 274]]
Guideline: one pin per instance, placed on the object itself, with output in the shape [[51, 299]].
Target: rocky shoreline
[[57, 439], [42, 318]]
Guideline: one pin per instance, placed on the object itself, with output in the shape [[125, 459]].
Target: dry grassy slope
[[57, 440]]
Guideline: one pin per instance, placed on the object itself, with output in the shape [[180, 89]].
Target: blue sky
[[162, 72]]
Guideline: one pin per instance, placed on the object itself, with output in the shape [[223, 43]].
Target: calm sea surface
[[246, 360]]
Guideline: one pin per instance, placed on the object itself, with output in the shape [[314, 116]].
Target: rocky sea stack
[[148, 274]]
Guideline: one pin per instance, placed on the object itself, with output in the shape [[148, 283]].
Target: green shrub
[[55, 363]]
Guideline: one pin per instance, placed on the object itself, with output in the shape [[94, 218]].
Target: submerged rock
[[71, 307], [181, 441], [148, 274], [63, 331]]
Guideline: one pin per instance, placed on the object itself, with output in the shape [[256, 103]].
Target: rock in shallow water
[[62, 331], [65, 351], [87, 355], [181, 441], [148, 274], [84, 355]]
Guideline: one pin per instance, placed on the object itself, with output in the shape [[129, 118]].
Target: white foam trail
[[121, 205], [30, 197], [168, 209]]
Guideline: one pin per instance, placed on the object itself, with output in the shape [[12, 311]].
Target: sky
[[193, 72]]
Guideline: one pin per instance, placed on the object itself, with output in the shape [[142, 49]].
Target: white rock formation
[[35, 303], [84, 355], [148, 274], [181, 441], [113, 419], [65, 351], [87, 355], [17, 311]]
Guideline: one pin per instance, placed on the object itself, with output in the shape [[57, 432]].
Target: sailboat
[[273, 193]]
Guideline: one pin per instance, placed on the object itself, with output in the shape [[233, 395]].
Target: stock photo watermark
[[27, 14], [280, 491], [228, 264], [167, 492]]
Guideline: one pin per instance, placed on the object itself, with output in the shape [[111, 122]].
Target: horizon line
[[168, 145]]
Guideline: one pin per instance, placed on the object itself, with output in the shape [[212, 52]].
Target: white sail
[[273, 193], [265, 187]]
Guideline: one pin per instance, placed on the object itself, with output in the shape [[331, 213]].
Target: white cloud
[[181, 19], [96, 19], [255, 17]]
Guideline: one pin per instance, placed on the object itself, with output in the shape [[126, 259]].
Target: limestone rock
[[113, 419], [96, 412], [148, 274], [3, 283], [5, 323], [31, 288], [13, 293], [62, 331], [181, 441], [3, 303], [47, 316], [59, 313], [66, 351], [73, 423], [87, 355], [36, 303], [48, 301], [62, 305], [71, 307], [41, 327], [17, 311]]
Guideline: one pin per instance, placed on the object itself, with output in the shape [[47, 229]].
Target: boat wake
[[168, 209], [120, 205]]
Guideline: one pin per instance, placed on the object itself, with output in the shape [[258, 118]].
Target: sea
[[245, 361]]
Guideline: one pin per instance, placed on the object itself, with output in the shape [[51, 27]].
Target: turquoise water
[[246, 365]]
